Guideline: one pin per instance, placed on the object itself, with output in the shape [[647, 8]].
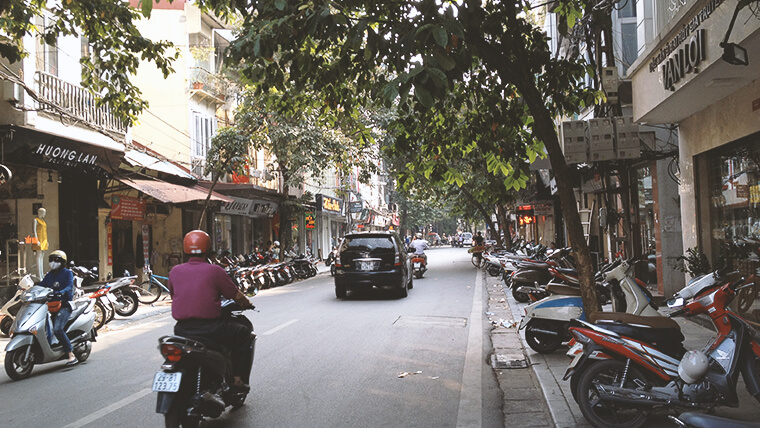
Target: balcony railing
[[76, 101], [206, 81]]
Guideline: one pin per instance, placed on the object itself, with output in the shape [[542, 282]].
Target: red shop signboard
[[127, 208]]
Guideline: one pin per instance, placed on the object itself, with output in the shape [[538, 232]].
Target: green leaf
[[146, 7], [279, 4], [444, 60], [423, 96], [441, 36]]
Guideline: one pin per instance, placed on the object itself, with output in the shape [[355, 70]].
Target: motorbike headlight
[[676, 302]]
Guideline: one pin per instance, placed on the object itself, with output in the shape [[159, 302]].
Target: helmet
[[196, 242], [418, 236], [57, 255], [693, 366], [276, 243]]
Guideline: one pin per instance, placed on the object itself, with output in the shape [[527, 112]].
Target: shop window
[[730, 206], [47, 54]]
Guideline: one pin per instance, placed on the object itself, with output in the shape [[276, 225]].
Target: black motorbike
[[196, 380]]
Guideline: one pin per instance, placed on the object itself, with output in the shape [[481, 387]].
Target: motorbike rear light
[[171, 352], [580, 337]]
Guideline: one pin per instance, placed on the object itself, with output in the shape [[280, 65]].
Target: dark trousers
[[59, 323], [233, 335]]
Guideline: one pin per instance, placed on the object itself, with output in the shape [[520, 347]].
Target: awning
[[171, 193], [32, 147], [137, 158]]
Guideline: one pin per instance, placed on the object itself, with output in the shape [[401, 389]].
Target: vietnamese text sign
[[127, 208], [309, 222], [326, 203]]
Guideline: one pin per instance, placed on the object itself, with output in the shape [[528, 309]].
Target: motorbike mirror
[[676, 302]]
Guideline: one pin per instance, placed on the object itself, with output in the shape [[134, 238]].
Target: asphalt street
[[370, 360]]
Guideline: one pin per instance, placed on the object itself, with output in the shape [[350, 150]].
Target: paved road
[[320, 362]]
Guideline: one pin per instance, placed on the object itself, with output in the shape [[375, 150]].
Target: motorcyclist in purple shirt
[[197, 288]]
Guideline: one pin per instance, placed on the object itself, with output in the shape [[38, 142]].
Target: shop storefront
[[61, 175], [331, 224], [686, 77], [242, 224]]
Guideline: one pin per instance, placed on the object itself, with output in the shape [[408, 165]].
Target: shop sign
[[127, 208], [688, 28], [109, 238], [355, 207], [326, 203], [309, 222], [260, 206], [684, 61], [5, 175], [544, 209], [238, 206]]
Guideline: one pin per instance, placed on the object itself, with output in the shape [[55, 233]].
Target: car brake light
[[397, 260], [171, 352]]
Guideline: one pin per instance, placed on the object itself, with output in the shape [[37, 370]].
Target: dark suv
[[372, 259]]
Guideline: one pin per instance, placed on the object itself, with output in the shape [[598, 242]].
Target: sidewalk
[[549, 369]]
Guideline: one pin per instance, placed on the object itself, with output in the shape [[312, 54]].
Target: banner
[[329, 204], [309, 222], [127, 208]]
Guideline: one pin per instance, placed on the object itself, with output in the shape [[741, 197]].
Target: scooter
[[195, 379], [628, 370], [546, 321], [32, 340], [419, 265], [10, 308]]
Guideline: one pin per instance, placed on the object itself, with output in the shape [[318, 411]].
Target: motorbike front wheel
[[129, 303], [606, 414], [16, 366], [101, 315]]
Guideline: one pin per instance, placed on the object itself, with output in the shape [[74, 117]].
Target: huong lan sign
[[59, 155], [684, 61]]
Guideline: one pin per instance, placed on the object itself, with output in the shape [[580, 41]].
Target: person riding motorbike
[[478, 240], [61, 280], [419, 245], [275, 250], [196, 288]]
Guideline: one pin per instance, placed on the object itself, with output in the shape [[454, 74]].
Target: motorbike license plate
[[167, 382], [417, 265]]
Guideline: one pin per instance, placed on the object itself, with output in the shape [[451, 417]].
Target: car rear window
[[371, 244]]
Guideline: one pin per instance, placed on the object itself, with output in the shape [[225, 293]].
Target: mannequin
[[40, 232]]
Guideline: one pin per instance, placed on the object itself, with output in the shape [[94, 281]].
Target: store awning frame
[[171, 193]]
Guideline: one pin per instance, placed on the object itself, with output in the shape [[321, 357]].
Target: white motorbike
[[546, 321], [10, 308], [32, 340]]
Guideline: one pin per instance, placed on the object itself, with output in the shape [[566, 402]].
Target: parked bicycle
[[151, 289]]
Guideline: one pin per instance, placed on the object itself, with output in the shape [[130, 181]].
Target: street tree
[[303, 142], [229, 153], [413, 53]]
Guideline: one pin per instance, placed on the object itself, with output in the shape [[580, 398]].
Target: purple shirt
[[197, 287]]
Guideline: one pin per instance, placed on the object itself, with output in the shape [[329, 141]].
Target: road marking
[[279, 327], [109, 409], [471, 396]]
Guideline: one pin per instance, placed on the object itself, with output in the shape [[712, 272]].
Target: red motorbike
[[632, 366]]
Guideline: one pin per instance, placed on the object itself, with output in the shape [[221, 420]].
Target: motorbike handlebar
[[677, 312]]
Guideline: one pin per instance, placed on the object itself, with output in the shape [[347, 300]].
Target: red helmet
[[196, 242]]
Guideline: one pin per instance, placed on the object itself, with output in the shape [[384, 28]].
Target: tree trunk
[[544, 128], [206, 202], [504, 226], [478, 206]]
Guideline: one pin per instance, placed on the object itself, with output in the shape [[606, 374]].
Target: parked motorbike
[[10, 308], [419, 265], [700, 420], [195, 379], [32, 340], [632, 368], [546, 321]]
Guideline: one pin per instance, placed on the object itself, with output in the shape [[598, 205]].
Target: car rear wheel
[[411, 282], [340, 292], [403, 291]]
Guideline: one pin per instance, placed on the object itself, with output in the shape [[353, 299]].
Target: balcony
[[207, 84], [77, 102]]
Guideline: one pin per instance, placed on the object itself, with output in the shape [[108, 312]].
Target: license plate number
[[167, 382], [417, 265], [365, 266]]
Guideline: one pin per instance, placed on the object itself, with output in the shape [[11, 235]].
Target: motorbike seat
[[77, 308], [663, 332], [563, 289], [533, 265], [210, 344], [567, 271]]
